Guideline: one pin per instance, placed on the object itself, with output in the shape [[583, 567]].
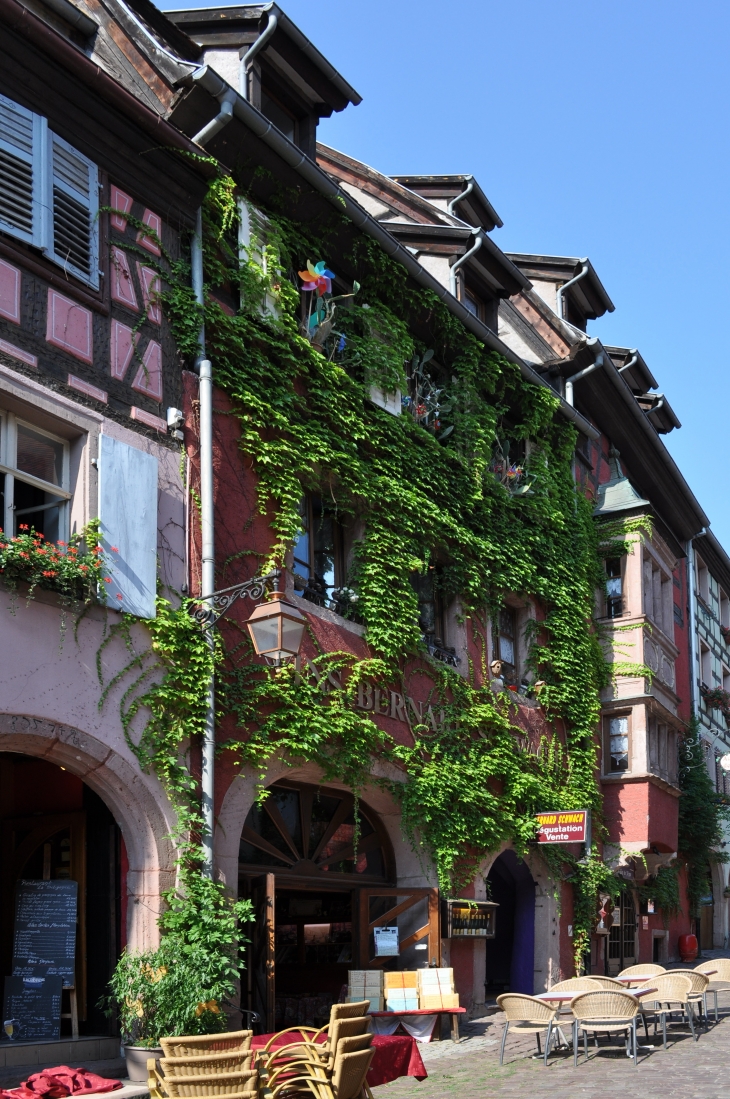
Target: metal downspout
[[205, 373], [462, 259], [248, 58], [458, 198], [581, 374], [632, 361], [207, 513], [561, 289]]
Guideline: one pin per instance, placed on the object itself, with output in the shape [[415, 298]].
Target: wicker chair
[[607, 1012], [650, 970], [609, 984], [577, 984], [300, 1074], [674, 991], [698, 993], [719, 978], [193, 1045], [310, 1048], [234, 1084], [527, 1015], [210, 1064]]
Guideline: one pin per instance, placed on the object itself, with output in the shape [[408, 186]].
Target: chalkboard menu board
[[32, 1009], [44, 944]]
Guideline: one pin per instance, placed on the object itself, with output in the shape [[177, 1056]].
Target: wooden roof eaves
[[74, 60], [382, 187]]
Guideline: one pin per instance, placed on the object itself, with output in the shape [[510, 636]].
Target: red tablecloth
[[55, 1083], [395, 1055]]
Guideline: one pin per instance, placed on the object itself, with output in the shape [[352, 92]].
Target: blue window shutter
[[128, 514], [74, 207], [23, 159]]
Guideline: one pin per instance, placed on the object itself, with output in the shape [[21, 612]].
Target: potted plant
[[168, 991]]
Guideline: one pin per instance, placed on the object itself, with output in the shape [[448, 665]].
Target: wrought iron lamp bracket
[[209, 608]]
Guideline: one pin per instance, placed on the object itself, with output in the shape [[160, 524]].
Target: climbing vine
[[701, 817], [423, 497]]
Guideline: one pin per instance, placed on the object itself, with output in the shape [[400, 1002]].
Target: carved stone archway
[[136, 801]]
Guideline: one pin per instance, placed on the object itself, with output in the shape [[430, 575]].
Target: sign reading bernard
[[570, 827]]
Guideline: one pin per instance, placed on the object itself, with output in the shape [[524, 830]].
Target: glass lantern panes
[[618, 735]]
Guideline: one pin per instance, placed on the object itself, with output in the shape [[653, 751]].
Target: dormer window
[[282, 119]]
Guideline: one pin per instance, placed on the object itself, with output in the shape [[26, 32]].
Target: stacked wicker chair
[[346, 1021], [607, 1012], [331, 1069], [205, 1065]]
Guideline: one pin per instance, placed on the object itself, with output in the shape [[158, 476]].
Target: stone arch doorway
[[510, 963], [311, 868], [53, 827], [117, 789]]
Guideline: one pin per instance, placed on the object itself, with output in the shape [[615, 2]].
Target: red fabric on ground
[[57, 1083], [395, 1055]]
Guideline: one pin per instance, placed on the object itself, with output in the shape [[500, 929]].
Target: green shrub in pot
[[183, 986]]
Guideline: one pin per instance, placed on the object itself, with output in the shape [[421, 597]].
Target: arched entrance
[[308, 864], [511, 953], [55, 827]]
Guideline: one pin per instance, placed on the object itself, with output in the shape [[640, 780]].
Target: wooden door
[[36, 838], [262, 953], [403, 899]]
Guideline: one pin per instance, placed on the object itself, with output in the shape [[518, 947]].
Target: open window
[[706, 665], [724, 610], [34, 478], [703, 581], [432, 614], [506, 645], [49, 192], [318, 553]]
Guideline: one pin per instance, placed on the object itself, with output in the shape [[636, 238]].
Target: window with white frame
[[724, 610], [49, 192], [34, 479]]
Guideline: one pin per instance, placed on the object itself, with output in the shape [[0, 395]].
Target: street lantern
[[276, 629]]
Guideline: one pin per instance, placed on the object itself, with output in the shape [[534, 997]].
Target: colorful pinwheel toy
[[317, 277]]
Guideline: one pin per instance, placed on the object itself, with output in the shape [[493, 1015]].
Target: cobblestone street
[[471, 1069]]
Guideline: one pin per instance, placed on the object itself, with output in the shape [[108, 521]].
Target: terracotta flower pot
[[687, 947], [136, 1057]]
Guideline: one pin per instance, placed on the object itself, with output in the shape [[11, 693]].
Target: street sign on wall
[[569, 827]]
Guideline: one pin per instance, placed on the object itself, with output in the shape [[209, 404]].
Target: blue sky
[[596, 129]]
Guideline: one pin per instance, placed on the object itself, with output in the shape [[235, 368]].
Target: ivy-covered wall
[[421, 496]]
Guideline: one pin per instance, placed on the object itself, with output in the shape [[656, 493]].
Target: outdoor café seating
[[210, 1065], [718, 970], [606, 1012], [698, 992], [528, 1015], [648, 970], [673, 990]]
